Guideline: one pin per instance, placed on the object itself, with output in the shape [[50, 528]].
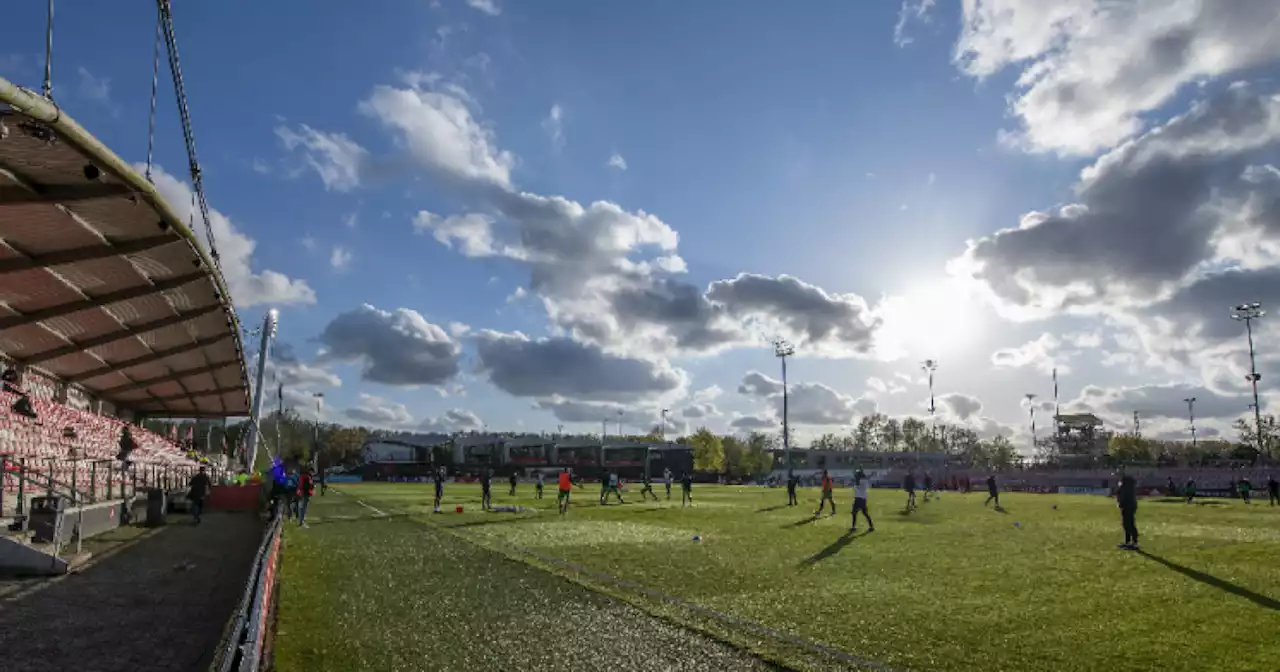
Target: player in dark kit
[[648, 488], [1127, 499], [792, 481], [514, 479], [1273, 490], [992, 491], [909, 484], [538, 485], [686, 489], [928, 485], [486, 483], [438, 476]]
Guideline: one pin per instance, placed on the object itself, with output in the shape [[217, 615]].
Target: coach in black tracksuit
[[1127, 499]]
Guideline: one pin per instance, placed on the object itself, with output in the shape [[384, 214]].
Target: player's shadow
[[321, 520], [808, 520], [772, 508], [835, 547], [515, 518], [1220, 584]]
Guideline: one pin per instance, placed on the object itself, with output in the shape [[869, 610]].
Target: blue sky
[[842, 153]]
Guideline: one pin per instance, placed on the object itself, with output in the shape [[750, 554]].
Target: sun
[[938, 320]]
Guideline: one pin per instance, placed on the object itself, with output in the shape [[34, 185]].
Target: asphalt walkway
[[148, 600]]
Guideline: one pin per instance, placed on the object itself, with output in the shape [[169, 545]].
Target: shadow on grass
[[321, 520], [808, 520], [1220, 584], [772, 508], [1001, 509], [492, 521], [835, 547]]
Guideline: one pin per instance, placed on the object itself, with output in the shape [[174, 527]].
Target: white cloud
[[1042, 355], [932, 179], [340, 258], [1090, 70], [911, 11], [235, 251], [260, 167], [554, 126], [337, 159], [394, 348], [96, 89], [616, 162], [351, 220], [453, 420], [439, 131], [473, 233], [380, 412], [309, 242], [489, 7]]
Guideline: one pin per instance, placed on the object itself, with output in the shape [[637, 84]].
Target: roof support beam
[[176, 375], [17, 195], [15, 264], [156, 356], [217, 391], [107, 299], [127, 332]]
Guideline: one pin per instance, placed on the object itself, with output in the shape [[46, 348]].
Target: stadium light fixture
[[662, 428], [1247, 313], [782, 350]]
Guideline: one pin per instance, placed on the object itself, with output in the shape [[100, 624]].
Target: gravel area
[[154, 601]]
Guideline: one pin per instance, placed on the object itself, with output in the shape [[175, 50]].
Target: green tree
[[1000, 453], [708, 450], [757, 457], [1129, 448], [734, 456]]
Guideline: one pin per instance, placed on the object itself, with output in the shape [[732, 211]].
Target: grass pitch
[[950, 586]]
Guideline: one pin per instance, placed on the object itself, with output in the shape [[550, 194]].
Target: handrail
[[242, 650]]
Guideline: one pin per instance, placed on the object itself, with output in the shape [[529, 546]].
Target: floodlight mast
[[1191, 414], [1247, 313], [782, 350], [929, 366], [662, 428], [1031, 408]]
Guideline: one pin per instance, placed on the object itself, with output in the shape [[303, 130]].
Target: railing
[[106, 479], [242, 651]]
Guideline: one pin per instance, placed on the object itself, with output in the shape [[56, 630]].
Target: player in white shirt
[[860, 501], [666, 478]]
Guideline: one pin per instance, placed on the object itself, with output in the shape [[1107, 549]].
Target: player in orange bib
[[566, 486]]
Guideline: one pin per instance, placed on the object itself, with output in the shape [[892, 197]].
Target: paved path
[[149, 600]]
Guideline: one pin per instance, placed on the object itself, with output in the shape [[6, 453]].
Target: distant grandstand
[[415, 455]]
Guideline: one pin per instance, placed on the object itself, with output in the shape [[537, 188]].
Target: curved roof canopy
[[101, 285]]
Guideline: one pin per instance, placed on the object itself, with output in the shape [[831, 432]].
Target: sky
[[520, 216]]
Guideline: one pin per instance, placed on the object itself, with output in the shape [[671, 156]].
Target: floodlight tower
[[268, 332], [929, 366], [315, 434], [662, 428], [1031, 408], [1247, 313], [1191, 413], [782, 350]]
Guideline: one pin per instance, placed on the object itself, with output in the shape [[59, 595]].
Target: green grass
[[951, 586]]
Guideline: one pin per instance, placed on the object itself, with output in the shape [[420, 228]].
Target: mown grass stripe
[[728, 619]]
